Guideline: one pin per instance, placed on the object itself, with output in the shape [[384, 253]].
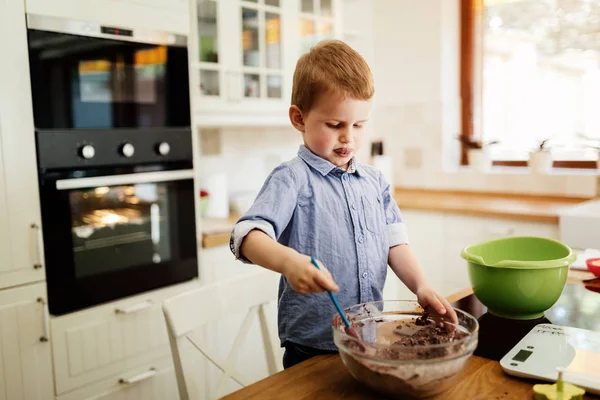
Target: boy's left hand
[[430, 300]]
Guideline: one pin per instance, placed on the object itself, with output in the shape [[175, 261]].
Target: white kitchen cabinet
[[153, 381], [25, 360], [243, 55], [110, 339], [22, 254], [163, 15], [438, 239]]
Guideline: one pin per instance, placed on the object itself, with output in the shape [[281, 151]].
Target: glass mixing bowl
[[426, 364]]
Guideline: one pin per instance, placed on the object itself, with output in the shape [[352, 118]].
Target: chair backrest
[[190, 311]]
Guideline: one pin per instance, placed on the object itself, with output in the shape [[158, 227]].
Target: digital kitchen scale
[[548, 347]]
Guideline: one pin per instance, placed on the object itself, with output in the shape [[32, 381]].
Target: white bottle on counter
[[215, 184], [213, 179], [382, 162]]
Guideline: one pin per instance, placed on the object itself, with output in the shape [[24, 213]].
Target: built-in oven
[[117, 213], [112, 118], [85, 75]]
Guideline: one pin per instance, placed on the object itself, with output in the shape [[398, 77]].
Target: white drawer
[[99, 342], [153, 381]]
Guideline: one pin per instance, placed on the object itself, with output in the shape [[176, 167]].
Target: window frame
[[471, 25]]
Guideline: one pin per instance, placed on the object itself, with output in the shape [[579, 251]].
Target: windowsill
[[501, 170]]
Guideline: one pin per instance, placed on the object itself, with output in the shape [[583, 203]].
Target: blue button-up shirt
[[347, 219]]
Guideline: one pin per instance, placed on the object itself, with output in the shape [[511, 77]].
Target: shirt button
[[360, 239], [354, 206], [364, 275]]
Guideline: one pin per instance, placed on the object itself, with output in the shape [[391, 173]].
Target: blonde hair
[[331, 65]]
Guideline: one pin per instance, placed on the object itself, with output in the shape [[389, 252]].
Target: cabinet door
[[319, 20], [21, 212], [95, 343], [241, 68], [25, 360], [152, 381], [261, 51], [5, 259], [207, 52]]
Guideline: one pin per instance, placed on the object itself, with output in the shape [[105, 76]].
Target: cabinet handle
[[37, 264], [45, 323], [134, 308], [139, 377]]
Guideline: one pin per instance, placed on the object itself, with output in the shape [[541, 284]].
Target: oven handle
[[125, 179], [135, 308]]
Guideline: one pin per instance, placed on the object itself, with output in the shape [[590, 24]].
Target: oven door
[[88, 76], [107, 237]]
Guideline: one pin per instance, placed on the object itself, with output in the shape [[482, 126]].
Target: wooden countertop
[[499, 205], [326, 377], [521, 207], [216, 232]]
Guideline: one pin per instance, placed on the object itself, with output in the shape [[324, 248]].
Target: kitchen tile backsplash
[[247, 155]]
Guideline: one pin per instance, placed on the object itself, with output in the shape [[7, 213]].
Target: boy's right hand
[[305, 278]]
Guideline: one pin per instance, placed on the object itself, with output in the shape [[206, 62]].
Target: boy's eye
[[334, 126], [358, 125]]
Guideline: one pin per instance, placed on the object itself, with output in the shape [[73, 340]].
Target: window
[[531, 72]]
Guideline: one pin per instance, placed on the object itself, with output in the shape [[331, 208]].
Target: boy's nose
[[345, 135]]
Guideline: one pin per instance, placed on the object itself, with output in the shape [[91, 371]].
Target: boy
[[326, 204]]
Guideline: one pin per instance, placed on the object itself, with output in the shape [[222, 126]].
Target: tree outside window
[[534, 74]]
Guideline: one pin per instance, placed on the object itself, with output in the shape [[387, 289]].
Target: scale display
[[548, 347]]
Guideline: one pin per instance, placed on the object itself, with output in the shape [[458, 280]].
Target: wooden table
[[326, 378]]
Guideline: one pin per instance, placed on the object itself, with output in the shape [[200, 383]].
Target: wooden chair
[[188, 312]]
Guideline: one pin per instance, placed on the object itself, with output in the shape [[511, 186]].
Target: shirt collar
[[323, 166]]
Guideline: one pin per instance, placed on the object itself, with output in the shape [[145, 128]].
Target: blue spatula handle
[[335, 302]]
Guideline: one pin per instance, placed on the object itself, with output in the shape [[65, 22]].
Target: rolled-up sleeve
[[271, 211], [395, 228]]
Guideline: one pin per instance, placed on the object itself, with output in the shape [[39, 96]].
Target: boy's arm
[[298, 269], [403, 262], [254, 237]]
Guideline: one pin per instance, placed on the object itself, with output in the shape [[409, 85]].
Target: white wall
[[413, 48], [417, 60]]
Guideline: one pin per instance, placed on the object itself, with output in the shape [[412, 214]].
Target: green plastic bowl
[[518, 277]]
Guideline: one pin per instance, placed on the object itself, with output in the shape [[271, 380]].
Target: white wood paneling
[[19, 206], [25, 360], [96, 343]]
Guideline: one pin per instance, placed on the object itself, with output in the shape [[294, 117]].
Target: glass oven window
[[119, 227], [91, 83]]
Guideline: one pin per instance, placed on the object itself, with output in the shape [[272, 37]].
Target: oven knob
[[163, 148], [127, 150], [87, 151]]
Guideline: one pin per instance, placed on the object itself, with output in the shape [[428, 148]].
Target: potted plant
[[479, 159], [540, 159]]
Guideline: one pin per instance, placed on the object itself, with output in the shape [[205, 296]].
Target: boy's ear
[[296, 118]]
